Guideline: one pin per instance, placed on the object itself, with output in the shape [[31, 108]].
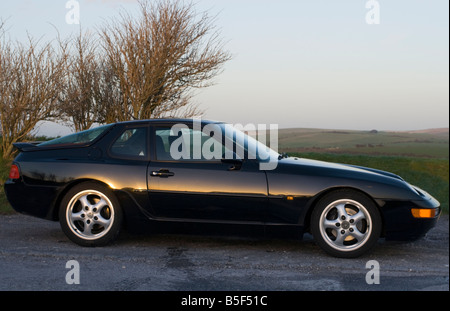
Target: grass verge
[[5, 208]]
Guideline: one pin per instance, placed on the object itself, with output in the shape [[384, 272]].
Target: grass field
[[428, 144], [420, 157]]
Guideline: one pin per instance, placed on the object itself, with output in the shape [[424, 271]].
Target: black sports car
[[96, 181]]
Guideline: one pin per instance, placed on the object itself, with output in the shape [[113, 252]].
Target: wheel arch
[[314, 200], [54, 212]]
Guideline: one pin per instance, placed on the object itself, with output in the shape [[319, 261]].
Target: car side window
[[181, 145], [132, 143]]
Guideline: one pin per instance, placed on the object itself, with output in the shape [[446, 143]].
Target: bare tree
[[31, 77], [108, 95], [144, 67], [79, 101], [159, 58]]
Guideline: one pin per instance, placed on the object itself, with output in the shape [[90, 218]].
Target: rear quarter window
[[131, 143], [80, 138]]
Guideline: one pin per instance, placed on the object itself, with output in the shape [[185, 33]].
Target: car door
[[202, 188]]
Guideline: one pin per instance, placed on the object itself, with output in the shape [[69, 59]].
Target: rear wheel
[[346, 224], [90, 215]]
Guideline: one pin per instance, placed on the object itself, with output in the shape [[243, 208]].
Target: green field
[[421, 158], [428, 144]]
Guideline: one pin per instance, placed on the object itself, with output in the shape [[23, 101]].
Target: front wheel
[[346, 224], [90, 215]]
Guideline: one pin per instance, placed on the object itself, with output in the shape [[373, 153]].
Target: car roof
[[166, 120]]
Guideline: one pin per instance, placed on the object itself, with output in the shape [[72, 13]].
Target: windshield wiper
[[283, 155]]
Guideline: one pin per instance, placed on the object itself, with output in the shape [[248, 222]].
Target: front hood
[[334, 169], [316, 176], [380, 172]]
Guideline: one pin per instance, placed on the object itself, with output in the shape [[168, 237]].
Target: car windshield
[[79, 138]]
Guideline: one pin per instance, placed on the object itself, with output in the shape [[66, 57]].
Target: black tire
[[346, 224], [90, 215]]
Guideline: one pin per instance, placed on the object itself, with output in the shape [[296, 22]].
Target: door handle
[[235, 164], [162, 173]]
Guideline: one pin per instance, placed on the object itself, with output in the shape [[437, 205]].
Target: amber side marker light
[[14, 172], [424, 212]]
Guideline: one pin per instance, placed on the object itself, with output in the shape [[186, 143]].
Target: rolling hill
[[433, 143]]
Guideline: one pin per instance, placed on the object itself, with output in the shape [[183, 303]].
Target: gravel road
[[34, 254]]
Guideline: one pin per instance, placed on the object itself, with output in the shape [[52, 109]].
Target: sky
[[300, 63]]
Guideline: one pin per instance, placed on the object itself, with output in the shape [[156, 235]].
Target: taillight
[[14, 172]]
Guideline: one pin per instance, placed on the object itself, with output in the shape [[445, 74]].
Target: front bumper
[[401, 224]]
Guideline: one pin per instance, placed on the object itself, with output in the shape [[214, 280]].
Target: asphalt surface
[[34, 254]]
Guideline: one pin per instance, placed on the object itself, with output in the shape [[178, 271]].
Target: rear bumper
[[37, 201]]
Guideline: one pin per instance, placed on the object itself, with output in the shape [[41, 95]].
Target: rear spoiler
[[27, 146]]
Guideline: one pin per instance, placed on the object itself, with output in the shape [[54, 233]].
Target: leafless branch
[[161, 56]]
